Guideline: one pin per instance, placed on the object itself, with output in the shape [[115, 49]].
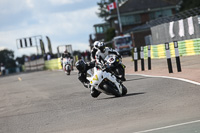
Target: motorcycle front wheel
[[67, 67], [124, 90], [110, 88], [119, 70]]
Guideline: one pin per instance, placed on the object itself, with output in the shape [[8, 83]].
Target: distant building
[[135, 17]]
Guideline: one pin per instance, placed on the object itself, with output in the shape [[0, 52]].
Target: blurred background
[[34, 33]]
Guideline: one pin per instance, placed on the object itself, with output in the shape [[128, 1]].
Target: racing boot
[[123, 78]]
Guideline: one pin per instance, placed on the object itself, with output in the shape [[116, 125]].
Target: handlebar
[[103, 67]]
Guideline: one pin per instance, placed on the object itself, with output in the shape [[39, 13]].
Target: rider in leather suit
[[66, 54], [103, 52], [94, 50], [82, 68]]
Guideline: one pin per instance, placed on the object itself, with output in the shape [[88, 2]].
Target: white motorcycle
[[105, 82], [67, 65]]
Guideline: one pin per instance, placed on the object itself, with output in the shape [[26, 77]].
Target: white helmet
[[96, 43]]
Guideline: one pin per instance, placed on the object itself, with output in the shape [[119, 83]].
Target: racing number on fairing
[[111, 60]]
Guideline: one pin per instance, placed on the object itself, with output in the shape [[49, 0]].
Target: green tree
[[103, 12], [110, 33], [7, 58], [76, 52], [20, 60], [188, 4]]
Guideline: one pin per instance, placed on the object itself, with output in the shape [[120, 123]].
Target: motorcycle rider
[[94, 50], [66, 54], [83, 68], [103, 52], [2, 69]]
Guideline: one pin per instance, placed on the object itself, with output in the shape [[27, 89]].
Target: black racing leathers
[[83, 79], [82, 75]]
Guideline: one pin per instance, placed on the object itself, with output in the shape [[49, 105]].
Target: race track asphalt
[[52, 102]]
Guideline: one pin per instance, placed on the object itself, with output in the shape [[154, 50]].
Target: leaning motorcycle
[[103, 81], [67, 65], [116, 65]]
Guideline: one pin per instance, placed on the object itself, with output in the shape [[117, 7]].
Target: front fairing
[[66, 61], [99, 77], [94, 76], [113, 61]]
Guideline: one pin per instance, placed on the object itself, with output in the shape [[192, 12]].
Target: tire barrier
[[186, 48], [168, 50]]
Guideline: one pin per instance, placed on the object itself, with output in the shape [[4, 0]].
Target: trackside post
[[169, 62], [135, 59], [178, 63]]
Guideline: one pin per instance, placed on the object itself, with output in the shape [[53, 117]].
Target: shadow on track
[[127, 95], [72, 73], [134, 94]]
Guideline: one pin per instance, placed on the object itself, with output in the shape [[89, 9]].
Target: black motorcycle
[[116, 66]]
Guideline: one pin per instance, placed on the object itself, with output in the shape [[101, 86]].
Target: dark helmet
[[101, 47], [65, 52], [80, 65]]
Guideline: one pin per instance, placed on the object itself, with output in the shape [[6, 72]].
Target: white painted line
[[171, 126], [181, 79]]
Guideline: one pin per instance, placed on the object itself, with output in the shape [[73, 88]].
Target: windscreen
[[123, 41]]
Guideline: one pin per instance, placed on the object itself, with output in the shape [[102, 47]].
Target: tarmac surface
[[190, 66], [52, 102]]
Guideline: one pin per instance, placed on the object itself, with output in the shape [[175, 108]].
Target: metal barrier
[[34, 65]]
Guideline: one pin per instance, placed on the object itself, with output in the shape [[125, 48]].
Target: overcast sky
[[63, 21]]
